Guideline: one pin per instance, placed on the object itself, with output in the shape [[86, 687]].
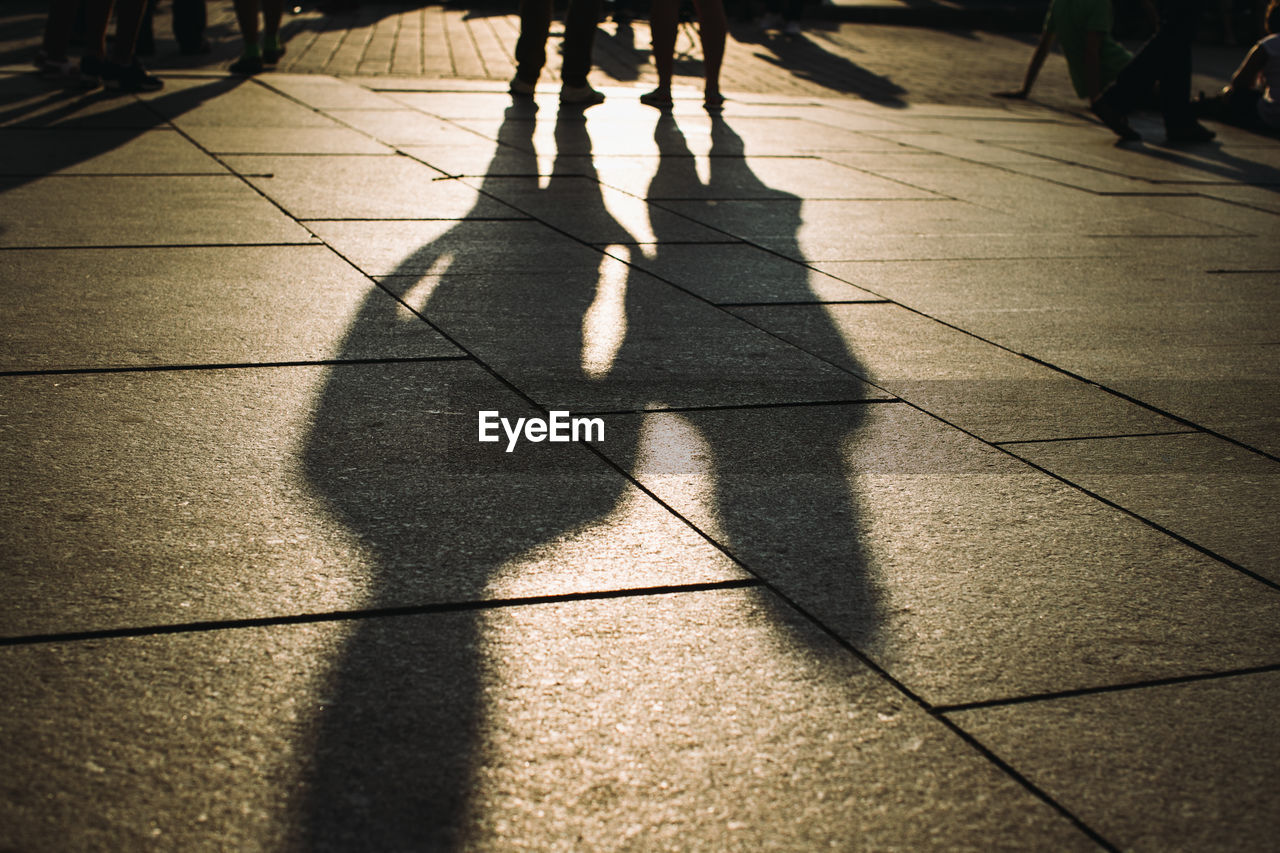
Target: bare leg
[[713, 28], [662, 26]]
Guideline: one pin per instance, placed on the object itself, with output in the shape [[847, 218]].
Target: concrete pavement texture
[[926, 497]]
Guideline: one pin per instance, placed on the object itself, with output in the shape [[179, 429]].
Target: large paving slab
[[198, 306], [1201, 164], [273, 491], [1233, 390], [844, 230], [245, 104], [285, 140], [401, 127], [637, 722], [1178, 767], [613, 338], [996, 394], [364, 187], [400, 248], [1065, 209], [966, 574], [141, 210], [323, 92], [31, 103], [581, 208], [739, 273], [1214, 493], [679, 177], [1019, 301], [34, 152]]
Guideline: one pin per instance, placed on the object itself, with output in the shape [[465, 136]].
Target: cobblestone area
[[877, 62]]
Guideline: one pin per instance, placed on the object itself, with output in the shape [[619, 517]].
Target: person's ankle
[[251, 50]]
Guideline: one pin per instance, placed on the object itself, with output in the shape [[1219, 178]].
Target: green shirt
[[1071, 21]]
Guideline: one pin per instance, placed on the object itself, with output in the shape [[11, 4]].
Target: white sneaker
[[520, 87], [580, 96]]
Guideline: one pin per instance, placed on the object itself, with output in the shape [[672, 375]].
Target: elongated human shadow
[[393, 454], [398, 748], [782, 497]]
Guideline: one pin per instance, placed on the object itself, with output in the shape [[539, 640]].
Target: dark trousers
[[1165, 59], [189, 20], [579, 36]]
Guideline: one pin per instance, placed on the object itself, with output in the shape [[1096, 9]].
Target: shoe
[[580, 96], [1189, 134], [770, 21], [90, 72], [129, 78], [522, 88], [792, 28], [713, 103], [657, 99], [1118, 123], [271, 53], [56, 69], [247, 65]]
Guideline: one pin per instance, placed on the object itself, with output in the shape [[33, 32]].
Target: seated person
[[1252, 98]]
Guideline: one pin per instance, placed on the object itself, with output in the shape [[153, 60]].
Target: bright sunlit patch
[[604, 325], [416, 297], [673, 458]]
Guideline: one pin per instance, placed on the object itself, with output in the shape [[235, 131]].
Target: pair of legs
[[119, 69], [1164, 60], [269, 49], [189, 20], [579, 37], [713, 28]]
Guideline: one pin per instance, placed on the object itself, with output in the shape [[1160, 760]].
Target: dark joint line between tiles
[[1148, 406], [371, 613], [735, 407], [130, 246], [169, 368], [1095, 437], [1243, 272], [1026, 783], [1109, 688], [1166, 236], [867, 661], [1061, 479], [1195, 546], [421, 219], [1120, 194], [119, 175], [806, 304]]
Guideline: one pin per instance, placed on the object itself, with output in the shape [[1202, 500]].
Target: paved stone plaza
[[935, 506]]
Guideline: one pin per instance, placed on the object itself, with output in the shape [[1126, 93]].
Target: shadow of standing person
[[392, 453], [781, 497]]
